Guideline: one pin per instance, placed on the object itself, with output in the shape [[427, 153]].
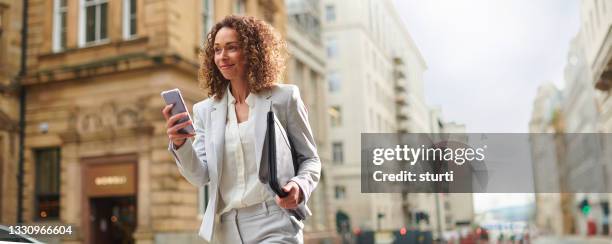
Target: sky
[[486, 59]]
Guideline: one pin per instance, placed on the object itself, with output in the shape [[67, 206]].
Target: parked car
[[7, 237]]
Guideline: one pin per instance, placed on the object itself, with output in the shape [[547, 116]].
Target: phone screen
[[174, 97]]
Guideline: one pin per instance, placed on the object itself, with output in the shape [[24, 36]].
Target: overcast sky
[[486, 59]]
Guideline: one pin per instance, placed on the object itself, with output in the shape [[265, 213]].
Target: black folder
[[272, 163]]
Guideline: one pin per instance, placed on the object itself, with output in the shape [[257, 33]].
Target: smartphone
[[174, 97]]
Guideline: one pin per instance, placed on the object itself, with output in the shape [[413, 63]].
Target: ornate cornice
[[108, 121]]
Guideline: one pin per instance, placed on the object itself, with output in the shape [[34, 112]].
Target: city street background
[[83, 142]]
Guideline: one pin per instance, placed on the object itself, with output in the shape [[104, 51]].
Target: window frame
[[207, 15], [37, 191], [331, 48], [58, 29], [339, 189], [239, 7], [334, 82], [127, 18], [338, 152], [97, 25], [336, 119], [330, 13]]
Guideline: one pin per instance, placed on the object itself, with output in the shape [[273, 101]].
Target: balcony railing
[[399, 74], [398, 61], [401, 116], [400, 100], [400, 86]]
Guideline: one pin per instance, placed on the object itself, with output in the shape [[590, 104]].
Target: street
[[571, 240]]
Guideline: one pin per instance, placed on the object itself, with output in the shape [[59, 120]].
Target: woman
[[240, 64]]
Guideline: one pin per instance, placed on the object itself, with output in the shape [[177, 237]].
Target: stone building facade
[[10, 49], [95, 146]]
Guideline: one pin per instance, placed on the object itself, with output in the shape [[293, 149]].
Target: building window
[[59, 25], [330, 13], [448, 219], [334, 82], [338, 152], [332, 48], [129, 18], [207, 17], [240, 7], [93, 21], [47, 183], [335, 114], [340, 192]]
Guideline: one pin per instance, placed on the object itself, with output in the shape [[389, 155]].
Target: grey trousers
[[261, 223]]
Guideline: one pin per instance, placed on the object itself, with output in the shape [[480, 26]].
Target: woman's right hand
[[177, 138]]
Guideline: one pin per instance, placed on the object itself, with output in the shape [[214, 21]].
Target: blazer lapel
[[219, 116], [262, 106]]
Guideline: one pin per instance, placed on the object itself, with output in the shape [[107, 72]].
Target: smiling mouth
[[226, 66]]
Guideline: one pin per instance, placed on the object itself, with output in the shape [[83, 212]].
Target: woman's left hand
[[292, 200]]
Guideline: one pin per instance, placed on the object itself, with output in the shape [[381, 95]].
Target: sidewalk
[[573, 240]]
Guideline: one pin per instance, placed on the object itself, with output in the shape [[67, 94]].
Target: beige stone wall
[[183, 27], [10, 39], [10, 44], [163, 27], [110, 115], [272, 11], [103, 101]]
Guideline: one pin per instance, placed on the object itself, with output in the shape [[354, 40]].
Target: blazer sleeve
[[300, 134], [191, 156]]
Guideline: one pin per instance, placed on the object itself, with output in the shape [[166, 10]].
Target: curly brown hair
[[263, 48]]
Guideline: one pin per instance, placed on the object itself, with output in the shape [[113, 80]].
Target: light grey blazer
[[200, 160]]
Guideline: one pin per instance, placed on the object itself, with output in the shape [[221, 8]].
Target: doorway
[[112, 219]]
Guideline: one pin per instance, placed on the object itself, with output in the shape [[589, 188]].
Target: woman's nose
[[224, 53]]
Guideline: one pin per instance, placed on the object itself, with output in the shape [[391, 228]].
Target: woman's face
[[228, 54]]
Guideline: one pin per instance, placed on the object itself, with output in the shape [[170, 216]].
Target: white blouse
[[240, 186]]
